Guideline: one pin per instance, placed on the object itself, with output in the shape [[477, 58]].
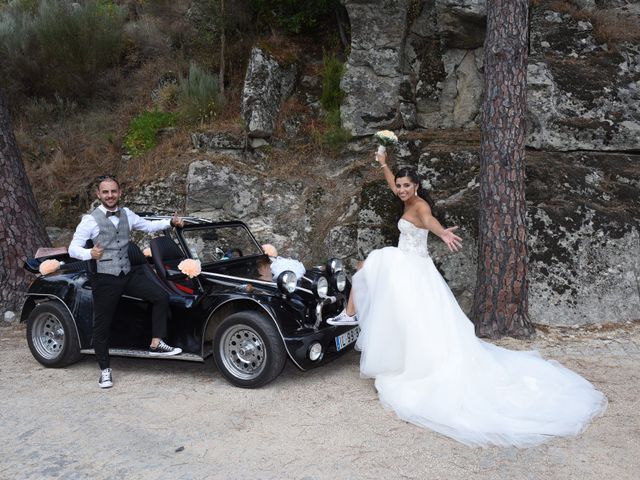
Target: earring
[[415, 193]]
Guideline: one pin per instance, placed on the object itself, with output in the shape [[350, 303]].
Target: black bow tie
[[116, 213]]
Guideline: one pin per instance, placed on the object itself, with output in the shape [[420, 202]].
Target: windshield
[[215, 244]]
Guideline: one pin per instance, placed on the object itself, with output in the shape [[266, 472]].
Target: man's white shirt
[[88, 230]]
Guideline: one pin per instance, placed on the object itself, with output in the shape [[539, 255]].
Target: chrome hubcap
[[242, 352], [48, 336]]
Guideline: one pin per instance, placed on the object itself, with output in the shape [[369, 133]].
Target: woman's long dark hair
[[422, 192]]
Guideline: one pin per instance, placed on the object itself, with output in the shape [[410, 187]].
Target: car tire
[[248, 349], [52, 336]]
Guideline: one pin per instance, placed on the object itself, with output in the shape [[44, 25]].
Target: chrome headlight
[[287, 282], [335, 265], [315, 351], [321, 287], [340, 281]]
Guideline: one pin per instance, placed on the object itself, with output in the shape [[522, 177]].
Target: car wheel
[[51, 335], [248, 349]]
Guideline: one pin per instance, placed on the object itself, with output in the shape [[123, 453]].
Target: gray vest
[[115, 242]]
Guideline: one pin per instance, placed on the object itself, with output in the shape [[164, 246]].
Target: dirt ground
[[178, 420]]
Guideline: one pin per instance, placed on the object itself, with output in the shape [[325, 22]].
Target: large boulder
[[461, 23], [293, 213], [373, 75], [267, 84]]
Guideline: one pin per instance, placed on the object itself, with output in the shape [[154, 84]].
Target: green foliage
[[53, 47], [332, 72], [335, 137], [143, 131], [198, 96], [294, 16]]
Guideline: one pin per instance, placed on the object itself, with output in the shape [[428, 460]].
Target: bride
[[428, 365]]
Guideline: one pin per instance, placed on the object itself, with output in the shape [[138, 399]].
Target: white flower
[[281, 264], [386, 137], [191, 268], [49, 266]]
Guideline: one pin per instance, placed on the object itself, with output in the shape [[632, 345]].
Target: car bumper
[[299, 345]]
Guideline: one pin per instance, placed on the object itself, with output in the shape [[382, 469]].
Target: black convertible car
[[250, 323]]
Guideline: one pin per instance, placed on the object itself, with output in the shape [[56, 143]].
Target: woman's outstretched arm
[[453, 241]]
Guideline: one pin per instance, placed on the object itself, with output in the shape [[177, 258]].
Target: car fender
[[235, 303], [65, 289], [34, 299]]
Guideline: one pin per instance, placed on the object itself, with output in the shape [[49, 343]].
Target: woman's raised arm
[[388, 174]]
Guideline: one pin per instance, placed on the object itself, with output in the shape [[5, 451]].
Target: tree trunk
[[223, 40], [501, 297], [21, 228]]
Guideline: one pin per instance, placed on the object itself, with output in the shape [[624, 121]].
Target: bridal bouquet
[[385, 138], [191, 268]]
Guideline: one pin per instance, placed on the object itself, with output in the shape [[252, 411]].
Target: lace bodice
[[413, 240]]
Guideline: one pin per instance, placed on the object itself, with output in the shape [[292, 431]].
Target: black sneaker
[[105, 379], [164, 350]]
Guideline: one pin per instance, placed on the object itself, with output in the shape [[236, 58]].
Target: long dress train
[[431, 369]]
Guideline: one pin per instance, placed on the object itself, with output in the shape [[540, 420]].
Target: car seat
[[166, 256], [184, 336]]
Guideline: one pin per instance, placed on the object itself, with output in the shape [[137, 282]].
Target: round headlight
[[335, 265], [340, 281], [315, 351], [287, 281], [321, 287]]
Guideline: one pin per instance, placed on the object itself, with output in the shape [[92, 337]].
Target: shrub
[[143, 131], [59, 47], [332, 72], [334, 137], [198, 96], [294, 16]]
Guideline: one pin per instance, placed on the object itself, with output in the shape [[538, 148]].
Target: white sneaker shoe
[[343, 319], [105, 379]]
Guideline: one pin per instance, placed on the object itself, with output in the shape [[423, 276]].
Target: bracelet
[[383, 165]]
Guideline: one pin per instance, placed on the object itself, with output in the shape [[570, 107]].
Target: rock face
[[583, 216], [291, 212], [583, 95], [461, 23], [372, 79], [584, 233], [267, 84]]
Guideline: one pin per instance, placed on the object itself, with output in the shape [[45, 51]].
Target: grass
[[143, 131], [613, 28], [609, 26]]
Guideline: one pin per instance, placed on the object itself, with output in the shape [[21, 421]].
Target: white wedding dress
[[431, 369]]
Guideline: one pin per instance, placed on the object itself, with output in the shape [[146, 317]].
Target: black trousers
[[107, 290]]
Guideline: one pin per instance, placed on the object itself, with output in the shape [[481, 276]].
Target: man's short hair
[[107, 176]]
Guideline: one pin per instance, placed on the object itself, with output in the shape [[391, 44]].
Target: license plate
[[347, 338]]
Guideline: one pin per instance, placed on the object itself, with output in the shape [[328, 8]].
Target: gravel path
[[170, 419]]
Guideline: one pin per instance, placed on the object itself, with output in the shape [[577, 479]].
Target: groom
[[109, 228]]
